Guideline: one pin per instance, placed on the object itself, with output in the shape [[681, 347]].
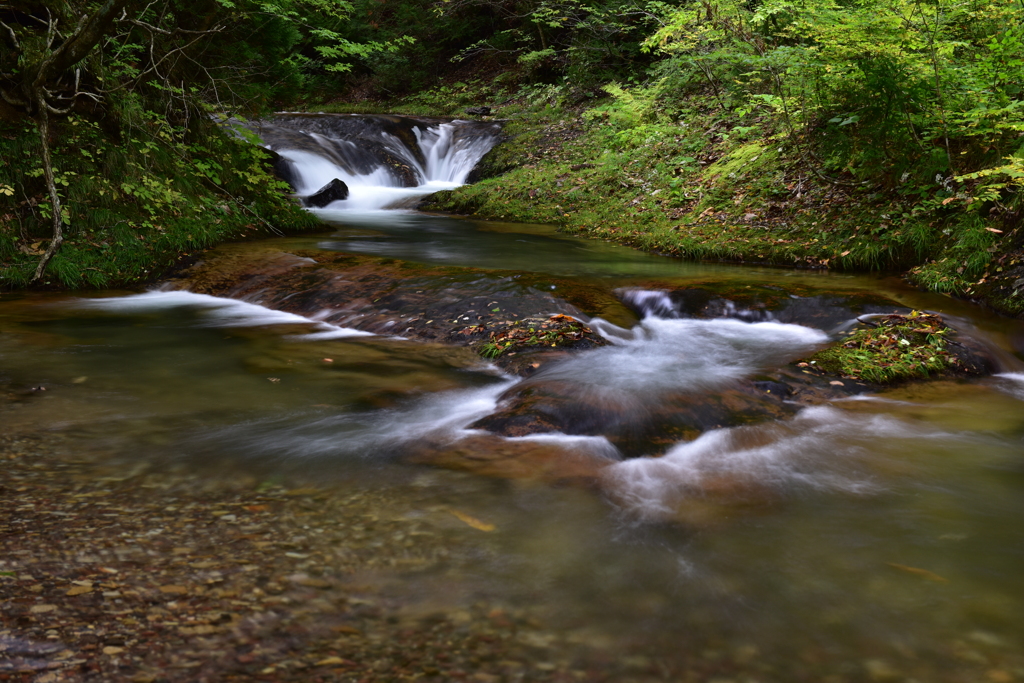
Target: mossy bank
[[135, 203], [698, 189]]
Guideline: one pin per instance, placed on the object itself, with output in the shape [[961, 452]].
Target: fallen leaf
[[473, 521], [79, 590], [333, 661], [837, 383], [111, 650], [311, 582], [994, 230], [923, 573], [42, 609]]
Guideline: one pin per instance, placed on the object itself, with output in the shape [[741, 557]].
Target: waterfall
[[385, 161]]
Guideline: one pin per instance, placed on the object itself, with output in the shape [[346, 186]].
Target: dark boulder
[[334, 191], [283, 168], [479, 111]]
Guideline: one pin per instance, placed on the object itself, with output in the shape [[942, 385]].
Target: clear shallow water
[[875, 539]]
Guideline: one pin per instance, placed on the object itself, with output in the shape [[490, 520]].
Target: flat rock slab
[[452, 305]]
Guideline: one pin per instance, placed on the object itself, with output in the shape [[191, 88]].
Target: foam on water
[[817, 450], [369, 192], [217, 312]]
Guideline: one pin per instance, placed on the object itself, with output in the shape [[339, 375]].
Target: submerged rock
[[555, 461]]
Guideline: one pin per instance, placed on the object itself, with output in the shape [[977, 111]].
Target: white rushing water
[[661, 355], [217, 311], [1015, 383], [822, 448], [449, 159]]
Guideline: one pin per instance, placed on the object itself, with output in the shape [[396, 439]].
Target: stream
[[877, 536]]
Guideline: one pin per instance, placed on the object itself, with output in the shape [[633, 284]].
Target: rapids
[[700, 517]]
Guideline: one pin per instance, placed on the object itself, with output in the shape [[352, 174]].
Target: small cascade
[[386, 162], [649, 303], [660, 304]]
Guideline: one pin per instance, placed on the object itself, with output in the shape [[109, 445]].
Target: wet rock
[[334, 191], [637, 424], [479, 111], [284, 169], [457, 306]]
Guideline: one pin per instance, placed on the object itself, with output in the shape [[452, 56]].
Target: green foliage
[[880, 90], [141, 170], [580, 42], [133, 208]]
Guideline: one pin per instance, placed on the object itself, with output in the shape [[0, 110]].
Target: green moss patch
[[892, 348]]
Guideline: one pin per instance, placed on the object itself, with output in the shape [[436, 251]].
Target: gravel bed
[[148, 576]]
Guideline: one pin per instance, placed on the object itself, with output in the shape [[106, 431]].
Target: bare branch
[[13, 37], [90, 31], [11, 100], [155, 29]]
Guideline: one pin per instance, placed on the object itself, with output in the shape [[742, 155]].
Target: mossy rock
[[894, 348]]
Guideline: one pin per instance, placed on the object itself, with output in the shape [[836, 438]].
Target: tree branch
[[73, 50], [43, 124]]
